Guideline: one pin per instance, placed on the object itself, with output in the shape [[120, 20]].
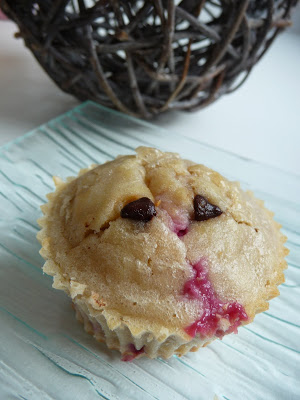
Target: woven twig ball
[[144, 57]]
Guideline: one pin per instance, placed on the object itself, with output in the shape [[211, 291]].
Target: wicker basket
[[144, 57]]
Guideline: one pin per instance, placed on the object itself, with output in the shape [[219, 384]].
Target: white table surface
[[260, 121]]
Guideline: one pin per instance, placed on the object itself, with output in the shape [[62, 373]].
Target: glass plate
[[44, 351]]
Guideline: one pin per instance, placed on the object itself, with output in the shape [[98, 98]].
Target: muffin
[[160, 255]]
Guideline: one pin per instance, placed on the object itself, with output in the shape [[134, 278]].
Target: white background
[[260, 121]]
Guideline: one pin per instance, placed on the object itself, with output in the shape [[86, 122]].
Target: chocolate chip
[[142, 209], [205, 210]]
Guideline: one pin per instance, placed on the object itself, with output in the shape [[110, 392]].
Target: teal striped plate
[[44, 352]]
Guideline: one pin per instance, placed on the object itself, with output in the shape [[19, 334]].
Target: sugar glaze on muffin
[[160, 255]]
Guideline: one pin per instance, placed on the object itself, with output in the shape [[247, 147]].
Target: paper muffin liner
[[278, 276], [134, 344], [129, 345]]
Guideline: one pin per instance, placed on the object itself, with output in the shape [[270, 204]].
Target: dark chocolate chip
[[142, 209], [205, 210]]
